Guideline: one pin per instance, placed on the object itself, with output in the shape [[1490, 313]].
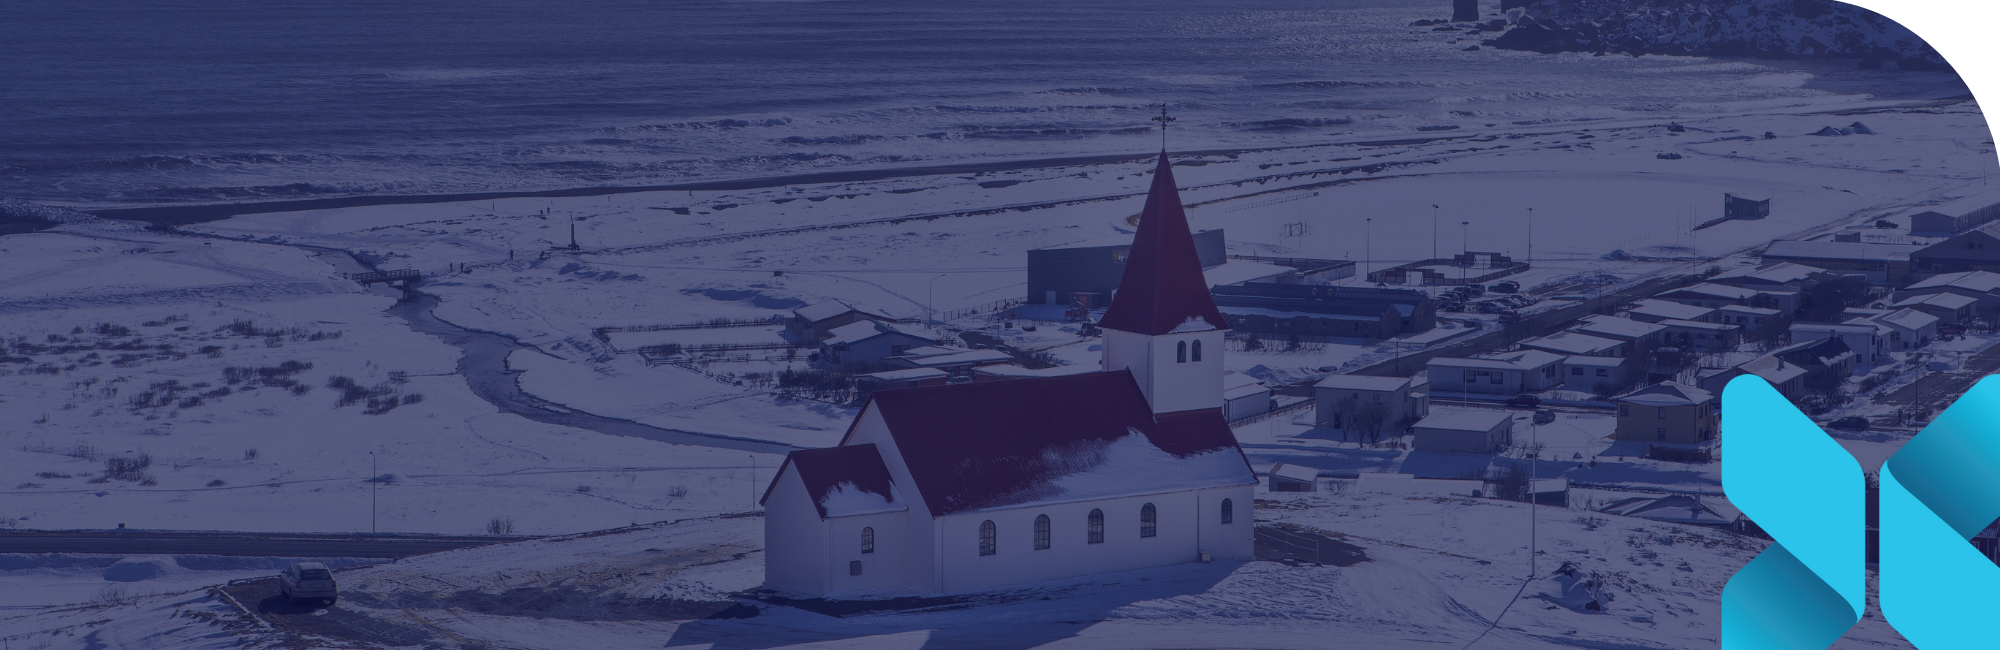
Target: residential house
[[1502, 375], [1243, 396], [1708, 337], [1865, 340], [958, 362], [866, 343], [1669, 412], [1573, 344], [1286, 477], [1949, 308], [1789, 378], [1751, 320], [1641, 335], [906, 378], [1908, 329], [1829, 354], [812, 323], [1402, 398], [1713, 295], [978, 485], [1652, 310], [1981, 286], [1464, 431], [1596, 375], [1878, 263], [1957, 216], [1781, 275]]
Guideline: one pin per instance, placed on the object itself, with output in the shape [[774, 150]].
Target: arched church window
[[988, 544], [1041, 532], [868, 540], [1180, 352], [1096, 526], [1228, 511], [1149, 521], [1197, 351]]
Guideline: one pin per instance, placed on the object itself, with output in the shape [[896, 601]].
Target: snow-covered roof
[[829, 309], [1676, 509], [1667, 309], [1234, 379], [1840, 328], [998, 444], [1590, 361], [1163, 286], [1363, 383], [1839, 250], [1012, 371], [1518, 360], [1698, 325], [1747, 310], [1618, 328], [1977, 281], [960, 358], [1773, 369], [1235, 271], [1667, 393], [1295, 472], [1943, 300], [845, 481], [1779, 273], [1968, 205], [1240, 392], [932, 351], [911, 374], [1572, 343], [859, 331], [1280, 313], [1909, 319], [1451, 419]]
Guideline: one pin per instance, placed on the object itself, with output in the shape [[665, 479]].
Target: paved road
[[136, 542]]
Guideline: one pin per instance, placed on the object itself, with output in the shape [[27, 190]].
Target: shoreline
[[191, 214]]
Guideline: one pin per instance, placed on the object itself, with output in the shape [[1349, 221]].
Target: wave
[[1291, 123]]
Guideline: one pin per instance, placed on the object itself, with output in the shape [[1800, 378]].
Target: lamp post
[[930, 299], [1367, 246], [1434, 231], [1531, 236], [1464, 248], [374, 481]]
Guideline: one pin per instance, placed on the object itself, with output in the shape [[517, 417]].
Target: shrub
[[127, 469], [250, 454], [217, 483], [501, 525]]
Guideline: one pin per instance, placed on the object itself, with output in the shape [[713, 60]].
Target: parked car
[[1544, 416], [1529, 401], [1476, 289], [306, 581], [1851, 423], [1507, 286]]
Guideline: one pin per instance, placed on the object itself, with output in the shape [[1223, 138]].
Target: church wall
[[1188, 386], [795, 539], [884, 571], [1017, 561], [1236, 540], [917, 563]]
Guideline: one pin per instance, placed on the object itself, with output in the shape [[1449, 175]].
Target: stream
[[484, 367]]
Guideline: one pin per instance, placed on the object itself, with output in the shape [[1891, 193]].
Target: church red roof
[[993, 444], [1163, 287], [825, 471]]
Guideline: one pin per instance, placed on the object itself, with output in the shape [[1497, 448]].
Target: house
[[1277, 310], [1502, 375], [1641, 335], [1908, 329], [1948, 308], [1789, 378], [1596, 375], [1005, 371], [1402, 398], [1653, 310], [1678, 509], [866, 343], [1956, 216], [1095, 266], [1773, 276], [1711, 295], [957, 362], [1864, 340], [1878, 263], [814, 322], [1710, 337], [1750, 319], [1286, 477], [1981, 286], [1670, 412], [1464, 431], [1737, 207], [908, 378], [1974, 249], [1829, 354], [1572, 343], [1243, 396], [979, 485]]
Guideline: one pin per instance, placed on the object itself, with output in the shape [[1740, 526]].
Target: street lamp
[[1531, 236], [1434, 231], [1367, 246], [374, 481]]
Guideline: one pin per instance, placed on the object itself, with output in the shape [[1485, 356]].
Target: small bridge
[[405, 276]]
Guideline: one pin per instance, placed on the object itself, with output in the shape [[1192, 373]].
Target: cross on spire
[[1163, 119]]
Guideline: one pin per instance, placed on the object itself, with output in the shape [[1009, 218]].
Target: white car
[[307, 581]]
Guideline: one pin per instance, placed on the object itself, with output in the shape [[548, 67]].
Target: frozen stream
[[484, 367]]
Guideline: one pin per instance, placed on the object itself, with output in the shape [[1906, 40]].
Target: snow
[[1131, 465], [846, 500], [1192, 324]]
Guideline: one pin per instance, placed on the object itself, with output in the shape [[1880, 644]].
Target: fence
[[1283, 410], [988, 308]]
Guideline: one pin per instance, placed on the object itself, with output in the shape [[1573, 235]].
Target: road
[[304, 545], [1538, 324], [1940, 389]]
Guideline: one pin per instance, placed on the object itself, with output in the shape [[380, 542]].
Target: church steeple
[[1162, 326], [1163, 289]]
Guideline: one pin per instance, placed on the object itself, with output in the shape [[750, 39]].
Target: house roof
[[1012, 371], [845, 481], [1464, 419], [1968, 205], [859, 331], [1163, 290], [906, 375], [959, 358], [1615, 327], [1667, 309], [1845, 328], [1594, 361], [1235, 271], [1747, 310], [1941, 299], [1839, 250], [1779, 273], [1363, 382], [1667, 393], [985, 445], [1571, 343], [1978, 281], [1676, 508], [1517, 360], [1773, 369], [1698, 325], [830, 309], [1909, 319], [1295, 472]]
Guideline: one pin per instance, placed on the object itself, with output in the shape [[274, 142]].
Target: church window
[[868, 540], [1149, 521], [988, 544], [1228, 511], [1041, 532], [1197, 351], [1180, 352], [1096, 527]]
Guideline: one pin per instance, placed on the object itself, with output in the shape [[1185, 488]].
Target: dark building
[[1056, 272], [1736, 207], [1976, 249], [1281, 310]]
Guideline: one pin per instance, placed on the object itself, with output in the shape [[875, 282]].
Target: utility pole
[[1531, 237], [1434, 231], [930, 299], [753, 483], [1534, 465], [374, 481], [1367, 246]]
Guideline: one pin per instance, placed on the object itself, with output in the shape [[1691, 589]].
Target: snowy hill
[[1761, 28]]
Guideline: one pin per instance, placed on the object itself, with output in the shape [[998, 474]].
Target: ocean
[[157, 102]]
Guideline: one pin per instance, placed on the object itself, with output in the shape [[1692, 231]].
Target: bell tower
[[1162, 325]]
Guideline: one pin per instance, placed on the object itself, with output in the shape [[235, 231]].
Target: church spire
[[1163, 290]]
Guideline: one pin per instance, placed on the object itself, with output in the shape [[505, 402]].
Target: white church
[[967, 487]]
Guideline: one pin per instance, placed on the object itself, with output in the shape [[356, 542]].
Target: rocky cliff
[[1759, 28]]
